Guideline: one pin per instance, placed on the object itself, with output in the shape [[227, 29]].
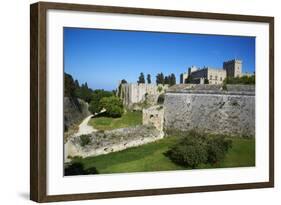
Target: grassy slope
[[150, 157], [128, 119]]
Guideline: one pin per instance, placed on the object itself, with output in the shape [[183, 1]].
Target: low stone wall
[[112, 141], [211, 108]]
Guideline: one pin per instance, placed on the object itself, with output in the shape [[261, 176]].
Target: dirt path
[[84, 128]]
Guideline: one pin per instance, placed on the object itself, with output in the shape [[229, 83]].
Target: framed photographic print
[[135, 102]]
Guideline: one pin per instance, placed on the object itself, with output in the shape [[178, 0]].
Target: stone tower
[[233, 68]]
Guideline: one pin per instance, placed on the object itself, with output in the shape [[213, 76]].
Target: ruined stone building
[[209, 75]]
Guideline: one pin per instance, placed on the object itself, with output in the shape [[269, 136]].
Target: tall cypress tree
[[141, 78], [172, 79], [148, 78]]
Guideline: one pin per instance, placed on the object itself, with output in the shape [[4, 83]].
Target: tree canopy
[[240, 80], [141, 78]]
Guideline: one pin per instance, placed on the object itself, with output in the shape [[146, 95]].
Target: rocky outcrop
[[75, 110], [105, 142]]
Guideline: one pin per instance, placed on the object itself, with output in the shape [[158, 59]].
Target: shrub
[[195, 148], [159, 88], [161, 99], [217, 148], [188, 155], [85, 140], [77, 168], [113, 106], [190, 151], [240, 80]]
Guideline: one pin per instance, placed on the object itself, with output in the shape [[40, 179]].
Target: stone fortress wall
[[134, 93], [209, 108]]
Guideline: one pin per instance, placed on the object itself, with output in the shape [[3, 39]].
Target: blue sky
[[103, 57]]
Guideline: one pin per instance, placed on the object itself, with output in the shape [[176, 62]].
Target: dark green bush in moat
[[85, 140], [217, 147], [77, 168], [196, 148]]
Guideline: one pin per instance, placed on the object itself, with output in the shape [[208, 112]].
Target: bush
[[113, 106], [246, 80], [159, 88], [85, 140], [190, 151], [95, 104], [161, 99], [217, 148], [77, 168], [188, 155], [195, 148]]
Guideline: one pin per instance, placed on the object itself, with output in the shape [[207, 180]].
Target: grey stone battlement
[[213, 89]]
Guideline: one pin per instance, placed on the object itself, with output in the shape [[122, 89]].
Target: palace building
[[209, 75]]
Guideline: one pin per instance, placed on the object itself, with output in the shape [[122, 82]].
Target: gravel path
[[84, 128]]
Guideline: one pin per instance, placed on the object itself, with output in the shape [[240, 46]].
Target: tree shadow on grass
[[77, 168]]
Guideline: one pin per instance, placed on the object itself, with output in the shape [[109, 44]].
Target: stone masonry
[[211, 108], [154, 116], [134, 93]]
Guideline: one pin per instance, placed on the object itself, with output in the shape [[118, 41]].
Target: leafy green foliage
[[217, 148], [169, 80], [188, 80], [141, 78], [161, 99], [148, 78], [84, 140], [196, 148], [240, 80], [190, 151], [172, 79], [160, 78], [113, 106], [159, 88], [123, 81], [77, 168], [95, 105], [84, 92], [69, 86]]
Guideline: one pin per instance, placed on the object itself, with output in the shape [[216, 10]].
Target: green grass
[[242, 154], [150, 157], [128, 119]]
